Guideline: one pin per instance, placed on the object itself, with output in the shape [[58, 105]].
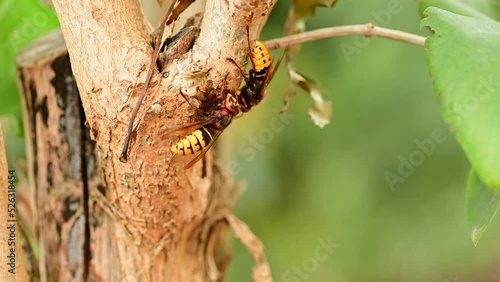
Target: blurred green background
[[20, 23], [308, 186]]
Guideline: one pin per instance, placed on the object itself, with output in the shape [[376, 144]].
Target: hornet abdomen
[[194, 142]]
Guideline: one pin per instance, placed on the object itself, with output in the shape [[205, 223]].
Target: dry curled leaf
[[261, 271], [307, 8], [163, 2], [321, 111], [301, 10]]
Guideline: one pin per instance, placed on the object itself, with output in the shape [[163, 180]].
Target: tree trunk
[[103, 220], [13, 267], [61, 159]]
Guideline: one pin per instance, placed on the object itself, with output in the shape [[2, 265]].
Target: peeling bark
[[61, 160], [144, 220]]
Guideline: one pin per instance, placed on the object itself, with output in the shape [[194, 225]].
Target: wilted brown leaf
[[261, 270], [321, 111]]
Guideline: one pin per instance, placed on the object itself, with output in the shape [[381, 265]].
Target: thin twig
[[368, 30], [173, 13]]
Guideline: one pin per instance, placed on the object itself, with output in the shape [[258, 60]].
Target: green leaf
[[482, 205], [463, 58], [486, 10], [22, 21], [301, 10], [306, 8]]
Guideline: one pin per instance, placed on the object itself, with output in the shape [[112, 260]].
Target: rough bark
[[61, 159], [13, 266], [148, 221]]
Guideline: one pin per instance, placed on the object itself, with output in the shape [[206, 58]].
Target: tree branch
[[368, 30], [160, 218]]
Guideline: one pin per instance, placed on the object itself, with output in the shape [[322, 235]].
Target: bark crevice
[[145, 219]]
